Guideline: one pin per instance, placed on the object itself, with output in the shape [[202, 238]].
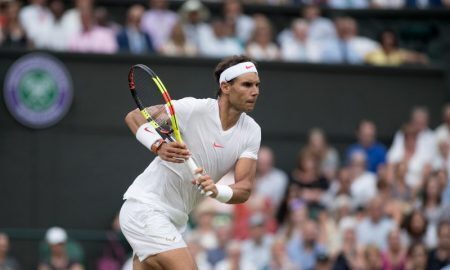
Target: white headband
[[237, 70]]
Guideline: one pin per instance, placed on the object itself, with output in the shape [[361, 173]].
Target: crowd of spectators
[[193, 31], [370, 207]]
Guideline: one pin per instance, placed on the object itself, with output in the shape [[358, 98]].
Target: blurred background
[[353, 169]]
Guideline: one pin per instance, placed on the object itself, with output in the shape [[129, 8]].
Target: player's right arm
[[171, 151]]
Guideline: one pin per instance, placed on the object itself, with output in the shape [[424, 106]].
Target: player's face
[[244, 91]]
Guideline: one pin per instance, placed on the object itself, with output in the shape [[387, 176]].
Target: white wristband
[[147, 135], [224, 193]]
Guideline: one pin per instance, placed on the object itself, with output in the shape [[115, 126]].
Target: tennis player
[[219, 135]]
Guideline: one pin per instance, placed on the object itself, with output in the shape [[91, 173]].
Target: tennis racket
[[147, 90]]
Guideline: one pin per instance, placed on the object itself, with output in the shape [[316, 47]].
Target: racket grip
[[190, 163]]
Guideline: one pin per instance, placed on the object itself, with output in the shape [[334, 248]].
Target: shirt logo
[[217, 145]]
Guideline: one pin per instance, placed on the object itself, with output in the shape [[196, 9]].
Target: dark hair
[[226, 63], [443, 223], [388, 31], [432, 177], [407, 224]]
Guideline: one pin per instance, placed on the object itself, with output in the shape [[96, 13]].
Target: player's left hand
[[205, 183]]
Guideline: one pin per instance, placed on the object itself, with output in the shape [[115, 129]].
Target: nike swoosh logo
[[217, 145], [148, 130], [248, 67]]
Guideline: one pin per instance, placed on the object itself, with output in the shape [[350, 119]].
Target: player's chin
[[249, 106]]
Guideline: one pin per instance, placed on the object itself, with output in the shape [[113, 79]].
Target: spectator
[[12, 35], [34, 19], [394, 257], [296, 46], [56, 237], [158, 22], [375, 227], [341, 187], [204, 231], [178, 45], [54, 36], [93, 38], [6, 262], [327, 155], [217, 254], [348, 4], [414, 144], [297, 214], [348, 48], [442, 134], [349, 257], [234, 259], [367, 142], [320, 29], [131, 38], [71, 19], [417, 257], [432, 200], [303, 251], [364, 183], [440, 256], [193, 16], [220, 42], [388, 4], [416, 229], [279, 259], [270, 182], [261, 46], [256, 249], [399, 189], [242, 24], [423, 4], [390, 54], [102, 17], [372, 257]]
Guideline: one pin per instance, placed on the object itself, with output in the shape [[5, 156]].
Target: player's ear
[[225, 87]]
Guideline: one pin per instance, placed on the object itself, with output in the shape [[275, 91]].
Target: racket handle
[[190, 163]]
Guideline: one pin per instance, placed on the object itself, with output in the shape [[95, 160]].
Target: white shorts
[[148, 229]]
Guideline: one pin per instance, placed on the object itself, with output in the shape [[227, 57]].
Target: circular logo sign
[[38, 90]]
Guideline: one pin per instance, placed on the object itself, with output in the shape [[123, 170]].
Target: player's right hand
[[174, 152]]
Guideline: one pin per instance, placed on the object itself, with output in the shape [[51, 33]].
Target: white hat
[[193, 6], [56, 235]]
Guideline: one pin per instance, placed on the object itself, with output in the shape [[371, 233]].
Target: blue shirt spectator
[[423, 4], [131, 38], [375, 151]]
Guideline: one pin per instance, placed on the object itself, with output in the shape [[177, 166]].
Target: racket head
[[147, 94]]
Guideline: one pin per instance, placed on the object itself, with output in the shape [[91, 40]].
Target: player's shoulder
[[250, 122]]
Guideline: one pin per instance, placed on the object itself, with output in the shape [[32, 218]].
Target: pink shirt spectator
[[388, 264], [97, 40]]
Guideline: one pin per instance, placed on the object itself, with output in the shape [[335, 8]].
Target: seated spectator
[[364, 183], [327, 155], [102, 17], [417, 257], [442, 134], [394, 257], [12, 35], [423, 4], [234, 259], [93, 38], [416, 229], [390, 54], [256, 248], [131, 38], [297, 214], [261, 46], [270, 182], [279, 259], [350, 256], [296, 46], [414, 144], [56, 237], [372, 257], [6, 261], [54, 36], [367, 142], [71, 19], [303, 251], [34, 18], [348, 4], [193, 15], [217, 254], [204, 230], [440, 256], [341, 187], [432, 199], [242, 25], [375, 227], [388, 4], [178, 45], [320, 29], [220, 42], [399, 190], [158, 22], [347, 48]]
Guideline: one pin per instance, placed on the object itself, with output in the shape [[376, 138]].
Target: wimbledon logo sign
[[38, 90]]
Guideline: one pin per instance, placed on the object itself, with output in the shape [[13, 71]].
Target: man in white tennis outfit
[[219, 135]]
